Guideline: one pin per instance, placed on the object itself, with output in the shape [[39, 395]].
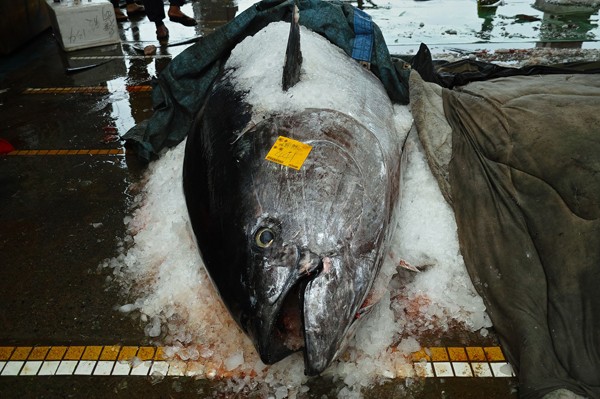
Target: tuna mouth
[[289, 325], [313, 314], [283, 327]]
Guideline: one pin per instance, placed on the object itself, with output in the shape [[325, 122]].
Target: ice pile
[[161, 272], [162, 276]]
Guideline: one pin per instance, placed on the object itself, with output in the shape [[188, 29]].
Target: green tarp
[[519, 160], [181, 89]]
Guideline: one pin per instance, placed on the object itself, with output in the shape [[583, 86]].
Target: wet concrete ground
[[61, 214]]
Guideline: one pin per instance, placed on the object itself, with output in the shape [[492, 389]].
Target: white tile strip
[[121, 368], [142, 368], [49, 367], [13, 367], [502, 369], [440, 368], [482, 369], [104, 367], [66, 367], [462, 369], [424, 369], [443, 369], [31, 367], [85, 367], [159, 369], [181, 368]]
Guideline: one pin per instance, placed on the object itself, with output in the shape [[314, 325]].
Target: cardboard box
[[83, 24]]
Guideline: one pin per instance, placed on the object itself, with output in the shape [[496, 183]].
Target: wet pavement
[[66, 189]]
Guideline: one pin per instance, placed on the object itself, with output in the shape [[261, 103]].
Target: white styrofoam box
[[83, 24]]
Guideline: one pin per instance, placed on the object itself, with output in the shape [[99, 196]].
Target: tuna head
[[293, 253]]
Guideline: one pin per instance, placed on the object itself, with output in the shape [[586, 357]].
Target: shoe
[[135, 9], [120, 16], [162, 33], [184, 20]]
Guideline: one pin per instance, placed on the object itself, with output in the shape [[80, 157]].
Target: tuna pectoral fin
[[293, 56]]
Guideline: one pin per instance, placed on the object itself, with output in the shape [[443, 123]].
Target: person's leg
[[118, 13], [176, 15], [133, 8], [155, 10]]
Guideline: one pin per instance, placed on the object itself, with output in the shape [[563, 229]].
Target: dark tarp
[[181, 89], [523, 177], [459, 73]]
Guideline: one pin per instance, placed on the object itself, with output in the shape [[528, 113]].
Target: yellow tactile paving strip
[[82, 89], [112, 151], [151, 361], [120, 57]]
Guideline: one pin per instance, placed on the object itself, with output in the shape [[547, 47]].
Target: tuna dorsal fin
[[293, 55]]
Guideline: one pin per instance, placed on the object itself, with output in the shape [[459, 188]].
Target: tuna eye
[[264, 237]]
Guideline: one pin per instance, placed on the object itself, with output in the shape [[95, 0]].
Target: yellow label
[[288, 152]]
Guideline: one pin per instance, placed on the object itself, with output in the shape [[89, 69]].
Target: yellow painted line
[[439, 354], [39, 353], [74, 353], [494, 354], [85, 89], [110, 352], [5, 352], [91, 353], [111, 151], [457, 354], [146, 353], [56, 353], [127, 353], [475, 353], [21, 353], [121, 57], [438, 361], [160, 354]]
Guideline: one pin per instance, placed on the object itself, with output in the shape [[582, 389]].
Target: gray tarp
[[180, 90], [523, 177]]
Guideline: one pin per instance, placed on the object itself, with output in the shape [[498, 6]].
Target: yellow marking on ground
[[439, 354], [21, 353], [457, 354], [110, 352], [110, 151], [475, 353], [85, 89], [74, 353], [5, 352], [38, 353], [56, 353], [494, 354], [160, 354], [146, 352], [113, 360], [127, 353], [91, 353], [420, 355]]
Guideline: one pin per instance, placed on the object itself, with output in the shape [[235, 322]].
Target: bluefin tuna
[[291, 178]]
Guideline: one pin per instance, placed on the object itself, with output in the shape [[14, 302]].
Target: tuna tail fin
[[293, 55]]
